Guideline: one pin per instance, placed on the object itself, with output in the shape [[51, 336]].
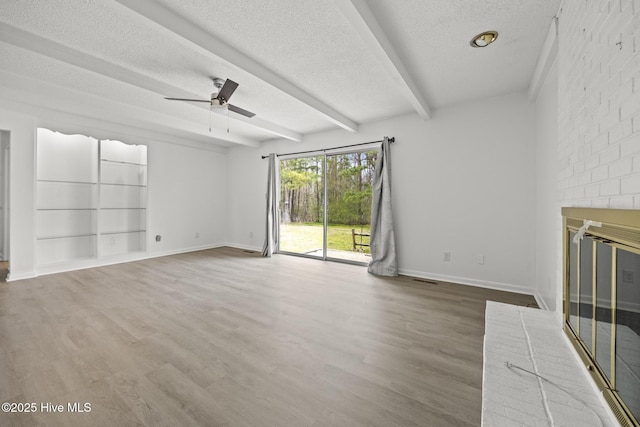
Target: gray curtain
[[273, 217], [383, 244]]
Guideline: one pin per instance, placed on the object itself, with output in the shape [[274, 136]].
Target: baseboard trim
[[244, 247], [541, 302], [186, 250], [469, 282], [23, 276], [92, 263]]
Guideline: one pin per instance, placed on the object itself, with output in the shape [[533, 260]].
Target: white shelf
[[122, 162], [54, 181], [67, 237], [91, 198]]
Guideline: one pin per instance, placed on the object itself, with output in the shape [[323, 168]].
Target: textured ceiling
[[432, 37], [303, 65], [310, 43]]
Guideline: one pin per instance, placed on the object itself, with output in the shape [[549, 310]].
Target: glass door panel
[[586, 291], [573, 282], [302, 206], [349, 180], [628, 329], [603, 348]]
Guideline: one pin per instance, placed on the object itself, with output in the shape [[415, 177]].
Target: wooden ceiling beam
[[362, 19]]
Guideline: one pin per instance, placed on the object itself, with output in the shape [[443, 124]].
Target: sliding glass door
[[349, 178], [302, 206], [325, 206]]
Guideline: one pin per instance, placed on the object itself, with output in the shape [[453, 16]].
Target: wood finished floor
[[225, 338]]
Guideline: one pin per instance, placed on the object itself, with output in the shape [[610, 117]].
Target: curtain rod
[[391, 140]]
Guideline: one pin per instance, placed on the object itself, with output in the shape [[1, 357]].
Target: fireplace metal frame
[[620, 229]]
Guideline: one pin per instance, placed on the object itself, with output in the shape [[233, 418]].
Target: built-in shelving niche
[[91, 198]]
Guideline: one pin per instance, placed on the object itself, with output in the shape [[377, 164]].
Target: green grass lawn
[[307, 237]]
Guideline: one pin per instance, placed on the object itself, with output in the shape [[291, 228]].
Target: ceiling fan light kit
[[484, 39], [218, 108]]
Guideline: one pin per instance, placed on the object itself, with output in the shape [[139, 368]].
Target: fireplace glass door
[[602, 311], [627, 337], [604, 308], [585, 308]]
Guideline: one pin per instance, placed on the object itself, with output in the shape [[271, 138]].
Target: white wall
[[187, 188], [246, 195], [463, 181], [187, 195], [548, 216]]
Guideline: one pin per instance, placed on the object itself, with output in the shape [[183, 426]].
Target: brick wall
[[599, 103]]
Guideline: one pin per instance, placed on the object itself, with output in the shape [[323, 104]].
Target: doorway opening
[[325, 206]]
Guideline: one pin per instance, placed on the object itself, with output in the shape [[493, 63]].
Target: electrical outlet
[[158, 237], [251, 234], [627, 276], [480, 259], [446, 256], [197, 235]]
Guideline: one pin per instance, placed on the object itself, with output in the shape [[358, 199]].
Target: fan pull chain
[[227, 120], [209, 119]]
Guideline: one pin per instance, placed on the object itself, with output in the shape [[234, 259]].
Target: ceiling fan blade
[[189, 100], [227, 90], [240, 111]]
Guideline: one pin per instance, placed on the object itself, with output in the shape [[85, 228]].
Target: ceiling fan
[[223, 89]]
